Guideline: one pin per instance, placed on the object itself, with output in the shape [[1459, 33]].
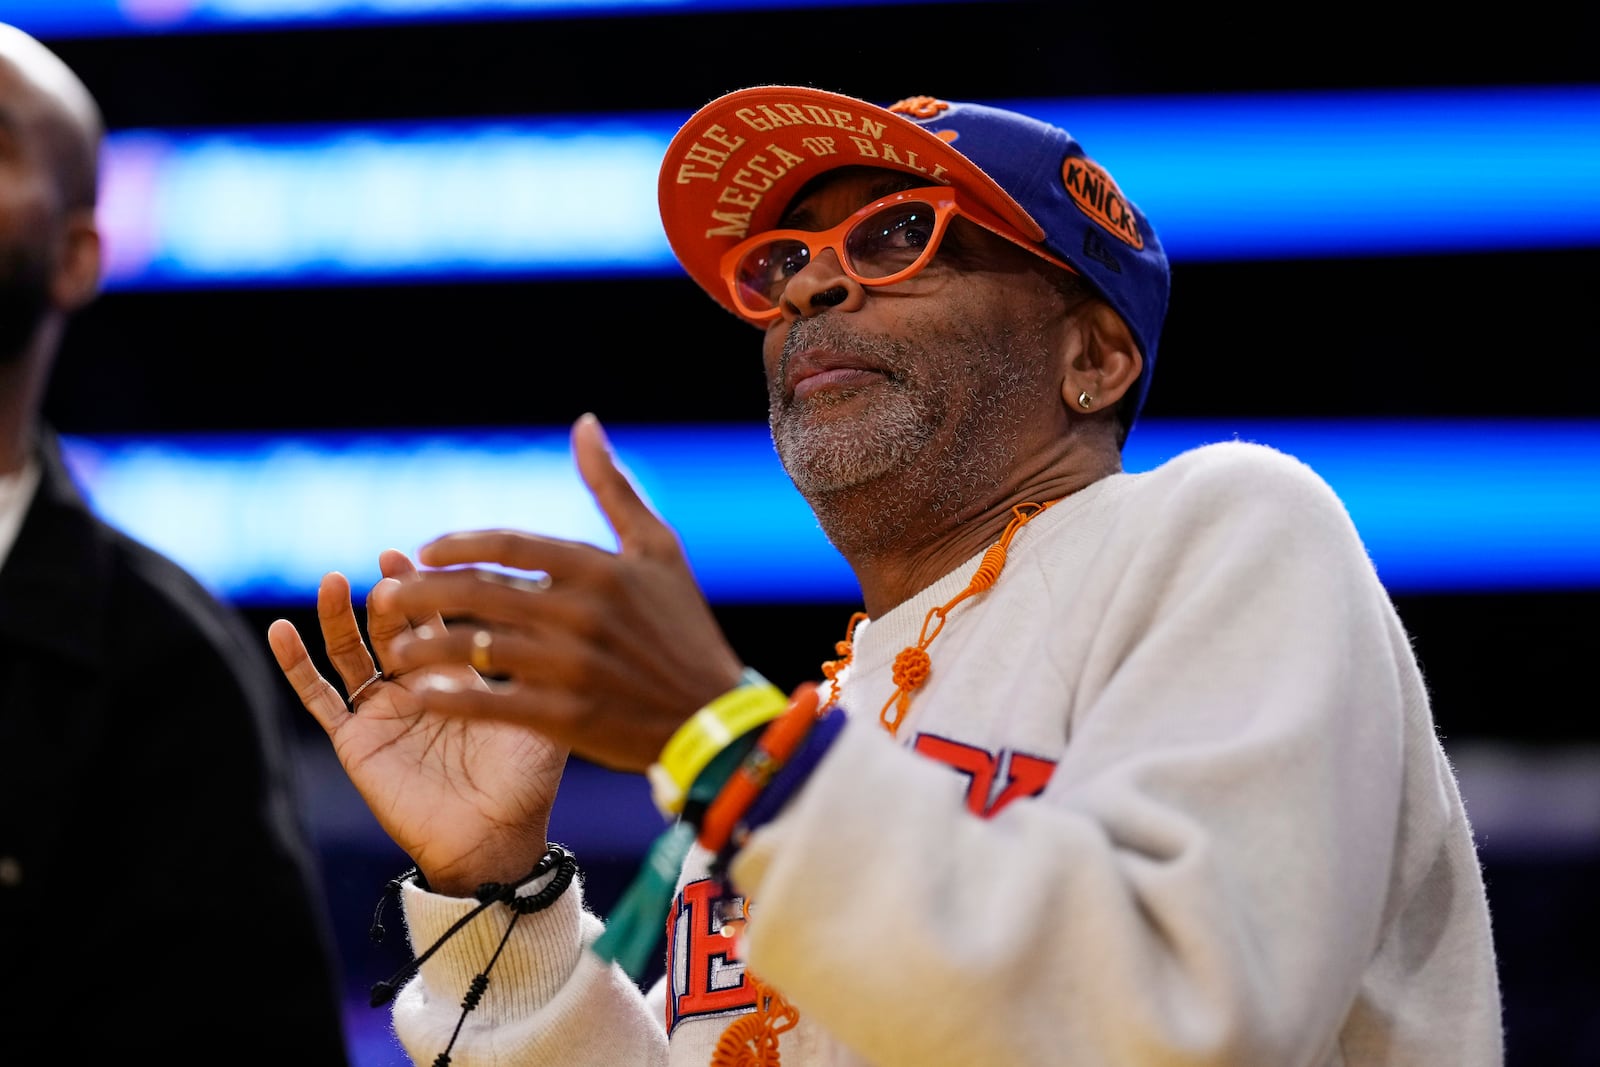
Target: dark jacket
[[156, 879]]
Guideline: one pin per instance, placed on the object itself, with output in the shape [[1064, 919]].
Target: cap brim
[[735, 165]]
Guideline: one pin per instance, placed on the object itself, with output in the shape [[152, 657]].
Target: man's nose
[[821, 284]]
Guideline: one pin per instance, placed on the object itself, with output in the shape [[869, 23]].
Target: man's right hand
[[468, 800]]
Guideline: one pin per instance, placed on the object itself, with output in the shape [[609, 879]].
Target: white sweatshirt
[[1217, 827]]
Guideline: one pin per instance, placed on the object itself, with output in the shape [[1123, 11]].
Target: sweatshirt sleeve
[[1209, 869], [549, 999]]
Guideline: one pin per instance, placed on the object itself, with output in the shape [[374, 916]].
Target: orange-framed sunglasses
[[885, 242]]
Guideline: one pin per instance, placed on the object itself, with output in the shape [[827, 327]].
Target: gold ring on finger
[[482, 641]]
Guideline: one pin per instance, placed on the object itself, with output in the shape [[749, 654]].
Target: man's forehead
[[21, 106], [862, 185], [16, 89], [25, 106]]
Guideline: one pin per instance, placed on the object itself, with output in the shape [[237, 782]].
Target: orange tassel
[[752, 1040]]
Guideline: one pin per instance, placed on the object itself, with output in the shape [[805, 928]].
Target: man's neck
[[899, 541]]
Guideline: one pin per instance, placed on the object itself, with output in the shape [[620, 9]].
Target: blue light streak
[[1443, 506], [1223, 178], [1353, 173], [79, 18]]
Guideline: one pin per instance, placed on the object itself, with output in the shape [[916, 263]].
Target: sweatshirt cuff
[[535, 962]]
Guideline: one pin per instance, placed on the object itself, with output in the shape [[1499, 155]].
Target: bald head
[[41, 98], [50, 136]]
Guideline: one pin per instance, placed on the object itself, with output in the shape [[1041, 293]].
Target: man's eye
[[894, 231], [912, 231], [792, 263]]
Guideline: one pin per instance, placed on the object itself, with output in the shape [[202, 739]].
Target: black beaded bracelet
[[556, 858]]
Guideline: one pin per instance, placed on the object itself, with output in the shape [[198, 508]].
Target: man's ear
[[77, 275], [1107, 363]]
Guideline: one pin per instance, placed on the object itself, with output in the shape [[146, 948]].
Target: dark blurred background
[[1492, 335]]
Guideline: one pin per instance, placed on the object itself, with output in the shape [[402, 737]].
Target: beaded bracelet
[[776, 744], [556, 858], [752, 703]]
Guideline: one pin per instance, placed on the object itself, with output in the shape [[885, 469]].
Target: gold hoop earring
[[1085, 401]]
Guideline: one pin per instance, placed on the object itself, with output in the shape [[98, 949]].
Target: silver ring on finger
[[539, 583], [356, 693]]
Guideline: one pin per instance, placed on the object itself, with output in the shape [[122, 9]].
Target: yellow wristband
[[752, 703]]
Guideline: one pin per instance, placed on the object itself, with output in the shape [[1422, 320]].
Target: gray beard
[[874, 475]]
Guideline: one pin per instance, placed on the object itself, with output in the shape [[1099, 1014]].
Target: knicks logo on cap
[[1097, 196]]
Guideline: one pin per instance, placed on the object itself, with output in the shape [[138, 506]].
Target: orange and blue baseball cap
[[733, 167]]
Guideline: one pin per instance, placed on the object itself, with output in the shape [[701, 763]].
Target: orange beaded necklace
[[752, 1040], [912, 664]]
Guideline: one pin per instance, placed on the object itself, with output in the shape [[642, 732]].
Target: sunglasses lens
[[765, 270], [892, 239], [897, 239]]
